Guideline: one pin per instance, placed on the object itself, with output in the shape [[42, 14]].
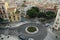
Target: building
[[44, 5], [47, 7], [9, 12], [54, 31], [13, 14], [3, 9], [57, 21]]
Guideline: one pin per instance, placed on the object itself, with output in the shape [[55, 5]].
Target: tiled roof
[[11, 8]]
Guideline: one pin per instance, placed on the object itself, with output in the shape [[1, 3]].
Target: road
[[42, 33], [21, 30]]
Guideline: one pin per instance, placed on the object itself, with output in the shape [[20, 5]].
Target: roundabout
[[34, 30], [27, 30]]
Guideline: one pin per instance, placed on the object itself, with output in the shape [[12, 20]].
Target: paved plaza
[[8, 37], [20, 30], [52, 35]]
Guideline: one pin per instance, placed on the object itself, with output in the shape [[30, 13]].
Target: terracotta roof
[[48, 7], [28, 2], [42, 6], [11, 9]]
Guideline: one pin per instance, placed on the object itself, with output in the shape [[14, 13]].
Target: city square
[[29, 19], [40, 35]]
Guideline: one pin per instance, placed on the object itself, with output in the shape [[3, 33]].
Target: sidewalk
[[8, 37], [13, 25], [51, 35]]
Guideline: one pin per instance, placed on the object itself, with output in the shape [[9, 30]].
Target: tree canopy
[[32, 13], [35, 12], [50, 14], [1, 20]]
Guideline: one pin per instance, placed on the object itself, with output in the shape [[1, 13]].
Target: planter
[[31, 29]]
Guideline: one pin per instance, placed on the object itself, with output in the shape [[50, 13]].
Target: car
[[22, 37], [47, 24], [30, 39]]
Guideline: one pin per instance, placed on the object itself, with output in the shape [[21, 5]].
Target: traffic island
[[31, 29]]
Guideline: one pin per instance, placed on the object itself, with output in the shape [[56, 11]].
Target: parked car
[[22, 37], [47, 24]]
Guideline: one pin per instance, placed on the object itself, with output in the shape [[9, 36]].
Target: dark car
[[22, 37]]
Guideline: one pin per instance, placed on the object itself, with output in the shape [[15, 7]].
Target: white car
[[30, 39], [47, 24]]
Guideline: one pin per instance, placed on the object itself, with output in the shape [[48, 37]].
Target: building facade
[[13, 14], [57, 21], [54, 31]]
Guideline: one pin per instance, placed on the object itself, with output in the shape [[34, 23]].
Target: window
[[14, 17], [18, 18], [5, 16], [2, 16], [0, 13], [59, 14], [3, 11], [9, 17], [58, 19], [10, 20], [55, 25], [59, 29], [3, 7]]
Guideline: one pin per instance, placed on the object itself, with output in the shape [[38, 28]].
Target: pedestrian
[[56, 36], [8, 37], [2, 38], [52, 29]]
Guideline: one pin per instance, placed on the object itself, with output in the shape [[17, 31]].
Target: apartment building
[[3, 9], [13, 14]]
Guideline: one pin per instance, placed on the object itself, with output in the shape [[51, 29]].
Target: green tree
[[32, 13], [24, 1], [17, 11], [41, 14], [50, 14], [36, 9], [1, 20], [23, 5]]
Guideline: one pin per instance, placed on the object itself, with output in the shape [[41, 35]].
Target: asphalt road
[[21, 30]]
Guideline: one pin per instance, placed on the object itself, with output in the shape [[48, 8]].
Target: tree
[[36, 9], [32, 13], [23, 5], [17, 11], [24, 1], [41, 14], [50, 14], [1, 20]]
